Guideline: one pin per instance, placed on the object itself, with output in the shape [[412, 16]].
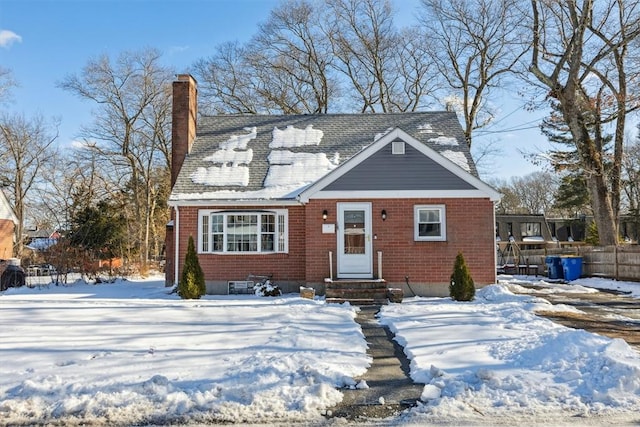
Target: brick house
[[311, 199], [8, 222]]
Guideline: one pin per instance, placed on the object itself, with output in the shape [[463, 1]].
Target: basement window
[[397, 147], [242, 232]]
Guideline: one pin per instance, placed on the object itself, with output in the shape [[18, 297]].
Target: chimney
[[184, 120]]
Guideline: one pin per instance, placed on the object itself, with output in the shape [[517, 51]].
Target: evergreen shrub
[[192, 284], [461, 286]]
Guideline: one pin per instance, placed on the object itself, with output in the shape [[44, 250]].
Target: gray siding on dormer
[[410, 171]]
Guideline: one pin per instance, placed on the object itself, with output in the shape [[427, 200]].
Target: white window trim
[[279, 213], [443, 223]]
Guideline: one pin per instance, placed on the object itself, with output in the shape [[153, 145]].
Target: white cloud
[[7, 38]]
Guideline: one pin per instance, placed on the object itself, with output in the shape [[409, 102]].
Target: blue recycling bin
[[554, 267], [571, 267]]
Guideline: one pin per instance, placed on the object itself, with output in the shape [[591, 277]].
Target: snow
[[458, 158], [287, 167], [444, 140], [382, 134], [232, 157], [240, 142], [292, 137], [131, 352], [426, 128], [221, 175]]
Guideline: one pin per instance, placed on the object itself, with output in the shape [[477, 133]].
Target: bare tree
[[291, 57], [227, 82], [580, 56], [7, 83], [26, 146], [386, 70], [130, 130], [475, 45], [529, 194]]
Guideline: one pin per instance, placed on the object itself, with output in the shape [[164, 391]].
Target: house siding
[[409, 171]]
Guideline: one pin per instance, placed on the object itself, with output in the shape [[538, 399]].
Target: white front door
[[354, 241]]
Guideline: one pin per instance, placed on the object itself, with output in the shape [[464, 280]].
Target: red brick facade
[[7, 228], [469, 230], [469, 223]]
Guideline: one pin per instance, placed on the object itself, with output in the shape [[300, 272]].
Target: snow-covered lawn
[[130, 352]]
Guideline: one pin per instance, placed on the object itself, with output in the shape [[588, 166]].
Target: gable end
[[412, 170]]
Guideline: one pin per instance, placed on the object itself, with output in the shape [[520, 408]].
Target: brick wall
[[287, 267], [184, 121], [7, 228], [470, 229]]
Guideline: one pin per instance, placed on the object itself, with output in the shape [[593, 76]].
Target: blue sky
[[42, 41]]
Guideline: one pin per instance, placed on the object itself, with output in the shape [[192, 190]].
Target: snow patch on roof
[[382, 134], [292, 137], [232, 157], [221, 176], [288, 168], [269, 193], [236, 142], [444, 140], [425, 128], [458, 158]]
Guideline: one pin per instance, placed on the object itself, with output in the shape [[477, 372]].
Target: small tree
[[192, 284], [461, 287], [592, 237]]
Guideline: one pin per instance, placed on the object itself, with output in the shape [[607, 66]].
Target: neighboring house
[[306, 198], [8, 222], [40, 240]]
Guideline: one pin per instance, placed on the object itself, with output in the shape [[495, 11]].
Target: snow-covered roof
[[257, 157]]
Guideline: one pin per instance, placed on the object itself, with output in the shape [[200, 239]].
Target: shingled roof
[[270, 157]]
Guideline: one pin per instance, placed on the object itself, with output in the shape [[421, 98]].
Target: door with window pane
[[354, 240]]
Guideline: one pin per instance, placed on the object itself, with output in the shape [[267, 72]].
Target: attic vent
[[397, 147]]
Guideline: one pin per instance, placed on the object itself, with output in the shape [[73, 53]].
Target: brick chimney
[[184, 120]]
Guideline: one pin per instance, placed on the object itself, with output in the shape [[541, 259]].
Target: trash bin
[[554, 267], [571, 267]]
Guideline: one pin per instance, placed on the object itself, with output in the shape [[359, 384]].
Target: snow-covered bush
[[267, 289]]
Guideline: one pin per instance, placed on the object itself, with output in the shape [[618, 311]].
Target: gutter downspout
[[176, 246]]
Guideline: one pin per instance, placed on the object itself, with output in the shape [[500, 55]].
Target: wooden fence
[[614, 262]]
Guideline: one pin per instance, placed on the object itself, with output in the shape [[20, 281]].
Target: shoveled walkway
[[391, 390]]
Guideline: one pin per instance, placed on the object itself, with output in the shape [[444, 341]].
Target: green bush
[[461, 286], [192, 284]]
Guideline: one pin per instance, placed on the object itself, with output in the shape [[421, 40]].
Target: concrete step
[[357, 291], [358, 301]]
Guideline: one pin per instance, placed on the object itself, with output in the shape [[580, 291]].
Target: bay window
[[242, 232]]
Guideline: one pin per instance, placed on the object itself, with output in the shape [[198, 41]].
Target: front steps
[[356, 291]]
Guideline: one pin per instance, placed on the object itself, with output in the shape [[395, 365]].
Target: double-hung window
[[242, 232], [430, 223]]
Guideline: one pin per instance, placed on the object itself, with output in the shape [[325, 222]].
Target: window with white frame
[[430, 223], [242, 232]]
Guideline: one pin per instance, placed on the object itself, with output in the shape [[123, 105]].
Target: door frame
[[364, 261]]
